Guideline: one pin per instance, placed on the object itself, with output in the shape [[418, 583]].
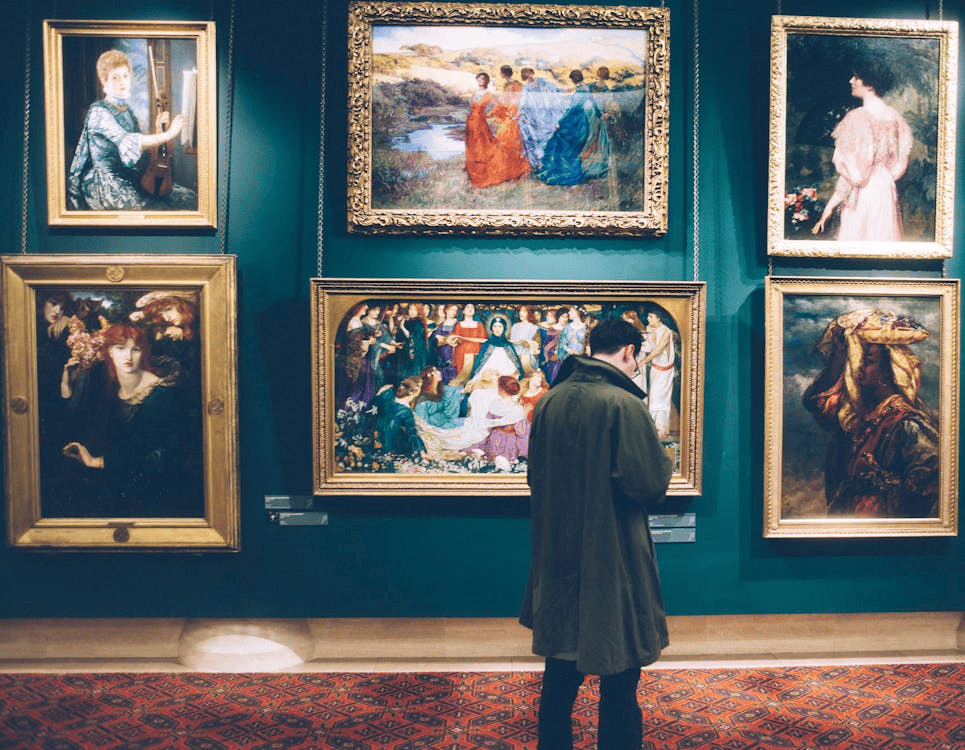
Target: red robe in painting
[[495, 158]]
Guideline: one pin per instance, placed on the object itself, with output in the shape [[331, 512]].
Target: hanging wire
[[25, 190], [226, 148], [696, 146], [321, 136], [941, 10]]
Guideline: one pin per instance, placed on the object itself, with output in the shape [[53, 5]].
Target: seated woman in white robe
[[448, 439]]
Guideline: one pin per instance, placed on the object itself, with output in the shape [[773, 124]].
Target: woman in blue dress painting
[[111, 154], [579, 149], [541, 105]]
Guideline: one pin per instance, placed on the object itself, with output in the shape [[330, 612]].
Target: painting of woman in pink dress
[[872, 144]]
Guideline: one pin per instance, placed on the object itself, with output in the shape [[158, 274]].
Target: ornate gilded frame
[[682, 304], [630, 200], [67, 97], [206, 360], [811, 62], [798, 312]]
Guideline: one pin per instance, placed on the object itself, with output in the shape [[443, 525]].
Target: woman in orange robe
[[494, 158], [469, 334]]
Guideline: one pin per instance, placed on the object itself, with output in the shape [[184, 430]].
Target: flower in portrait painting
[[85, 348], [801, 209]]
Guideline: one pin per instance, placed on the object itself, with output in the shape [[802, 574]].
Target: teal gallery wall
[[456, 556]]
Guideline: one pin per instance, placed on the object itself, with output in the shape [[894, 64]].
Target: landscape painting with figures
[[546, 119]]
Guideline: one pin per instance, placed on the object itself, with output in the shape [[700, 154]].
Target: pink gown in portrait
[[870, 155]]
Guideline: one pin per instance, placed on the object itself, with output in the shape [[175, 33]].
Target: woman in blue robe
[[498, 353], [541, 105], [415, 345], [395, 428], [439, 405], [579, 149]]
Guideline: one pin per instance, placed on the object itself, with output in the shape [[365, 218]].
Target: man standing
[[593, 596]]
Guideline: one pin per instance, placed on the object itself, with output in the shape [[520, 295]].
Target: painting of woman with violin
[[130, 148], [115, 165]]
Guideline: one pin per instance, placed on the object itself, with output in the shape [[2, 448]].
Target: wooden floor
[[456, 644]]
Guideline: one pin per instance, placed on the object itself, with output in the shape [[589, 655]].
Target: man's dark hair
[[612, 334]]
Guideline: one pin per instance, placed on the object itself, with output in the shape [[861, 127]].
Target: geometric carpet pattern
[[893, 707]]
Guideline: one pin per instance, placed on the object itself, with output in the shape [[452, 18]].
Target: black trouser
[[620, 723]]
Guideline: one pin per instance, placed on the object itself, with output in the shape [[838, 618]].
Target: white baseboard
[[272, 644]]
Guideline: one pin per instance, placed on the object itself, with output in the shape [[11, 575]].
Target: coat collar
[[578, 367]]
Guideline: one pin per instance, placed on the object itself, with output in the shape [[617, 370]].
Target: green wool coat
[[595, 466]]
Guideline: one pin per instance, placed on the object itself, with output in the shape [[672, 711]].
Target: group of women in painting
[[535, 127], [444, 383], [119, 407]]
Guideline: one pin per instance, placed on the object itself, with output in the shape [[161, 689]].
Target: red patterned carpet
[[859, 707]]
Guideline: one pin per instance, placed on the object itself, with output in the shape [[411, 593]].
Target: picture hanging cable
[[226, 147], [25, 190], [696, 165], [321, 135]]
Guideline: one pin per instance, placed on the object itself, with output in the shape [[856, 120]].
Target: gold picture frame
[[444, 452], [100, 170], [828, 196], [861, 407], [158, 422], [413, 70]]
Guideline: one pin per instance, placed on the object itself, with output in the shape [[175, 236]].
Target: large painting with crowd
[[449, 386]]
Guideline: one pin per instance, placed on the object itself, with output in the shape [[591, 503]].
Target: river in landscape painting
[[441, 140]]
